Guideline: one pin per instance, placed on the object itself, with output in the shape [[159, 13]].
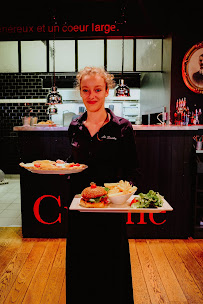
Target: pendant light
[[122, 89], [54, 97]]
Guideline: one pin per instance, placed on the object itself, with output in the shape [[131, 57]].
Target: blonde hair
[[108, 78]]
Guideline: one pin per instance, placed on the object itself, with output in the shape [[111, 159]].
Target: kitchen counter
[[166, 163], [135, 127], [167, 127], [41, 128]]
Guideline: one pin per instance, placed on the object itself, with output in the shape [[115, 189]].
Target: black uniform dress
[[97, 257]]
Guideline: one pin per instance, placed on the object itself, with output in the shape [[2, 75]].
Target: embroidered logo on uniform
[[108, 137], [75, 144]]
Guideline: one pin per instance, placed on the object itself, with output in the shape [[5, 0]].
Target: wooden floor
[[32, 271]]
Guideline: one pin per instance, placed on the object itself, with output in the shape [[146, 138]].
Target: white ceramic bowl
[[119, 199]]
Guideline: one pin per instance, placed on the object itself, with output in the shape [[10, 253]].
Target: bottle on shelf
[[187, 116], [177, 113], [192, 118], [182, 113], [196, 117], [200, 117]]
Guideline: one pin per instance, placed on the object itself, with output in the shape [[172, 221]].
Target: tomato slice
[[133, 201], [74, 165]]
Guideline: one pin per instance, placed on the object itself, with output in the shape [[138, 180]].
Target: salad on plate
[[151, 199]]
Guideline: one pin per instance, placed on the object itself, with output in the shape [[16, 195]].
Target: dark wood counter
[[166, 163]]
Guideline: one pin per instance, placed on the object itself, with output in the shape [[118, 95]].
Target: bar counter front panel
[[166, 163]]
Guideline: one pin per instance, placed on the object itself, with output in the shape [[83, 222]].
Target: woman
[[98, 262]]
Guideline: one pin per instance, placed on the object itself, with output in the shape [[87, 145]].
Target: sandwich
[[94, 197]]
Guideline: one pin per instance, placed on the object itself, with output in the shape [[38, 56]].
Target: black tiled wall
[[22, 85], [18, 86]]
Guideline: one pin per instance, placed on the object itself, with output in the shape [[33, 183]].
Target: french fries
[[120, 188]]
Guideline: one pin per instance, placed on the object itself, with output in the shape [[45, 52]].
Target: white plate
[[124, 208], [59, 171]]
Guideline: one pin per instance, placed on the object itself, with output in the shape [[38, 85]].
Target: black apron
[[97, 259], [98, 266]]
